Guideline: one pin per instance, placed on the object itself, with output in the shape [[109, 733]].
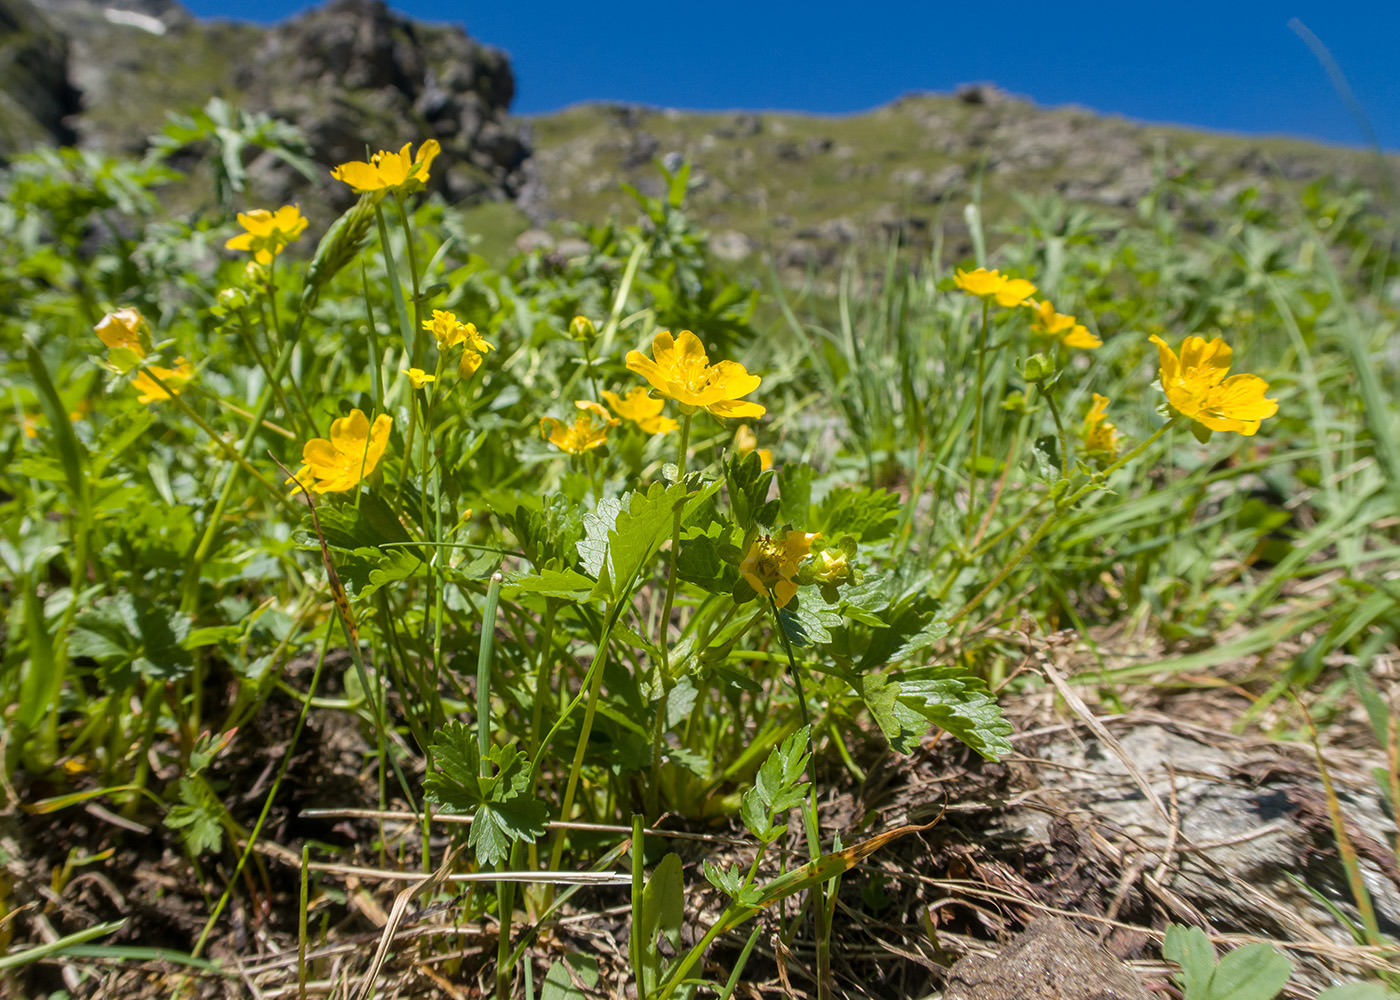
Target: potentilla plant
[[605, 594]]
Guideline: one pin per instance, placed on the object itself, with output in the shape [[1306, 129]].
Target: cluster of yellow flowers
[[1014, 292], [1195, 383], [126, 334], [450, 332], [679, 370]]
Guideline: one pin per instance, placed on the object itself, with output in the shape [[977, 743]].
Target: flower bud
[[1039, 368], [581, 329]]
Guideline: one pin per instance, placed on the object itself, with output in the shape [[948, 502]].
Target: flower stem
[[663, 629], [1059, 428], [811, 822], [977, 417]]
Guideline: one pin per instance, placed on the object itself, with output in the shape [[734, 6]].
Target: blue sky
[[1231, 64]]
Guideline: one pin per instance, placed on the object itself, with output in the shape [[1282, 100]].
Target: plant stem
[[663, 629], [977, 416], [811, 821]]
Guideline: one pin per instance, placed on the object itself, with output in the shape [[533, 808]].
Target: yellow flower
[[348, 457], [771, 564], [638, 407], [268, 232], [589, 429], [1064, 328], [449, 331], [986, 284], [1196, 386], [123, 328], [174, 379], [746, 441], [388, 171], [418, 377], [682, 372], [1100, 436], [30, 425]]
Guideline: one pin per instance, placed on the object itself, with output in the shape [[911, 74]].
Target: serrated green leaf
[[503, 810], [726, 880], [867, 514], [807, 621], [643, 523], [901, 726], [197, 817], [567, 584], [593, 546], [778, 787], [958, 701]]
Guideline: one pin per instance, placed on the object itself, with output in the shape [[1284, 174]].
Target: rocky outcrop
[[36, 97], [351, 75]]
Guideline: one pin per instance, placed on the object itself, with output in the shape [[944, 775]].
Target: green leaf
[[747, 484], [663, 914], [197, 817], [867, 514], [645, 521], [559, 985], [593, 546], [1254, 972], [122, 636], [901, 726], [956, 700], [568, 584], [807, 622], [795, 493], [730, 881], [777, 788], [499, 798]]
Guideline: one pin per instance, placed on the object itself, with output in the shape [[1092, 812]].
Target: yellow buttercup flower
[[449, 331], [1100, 436], [268, 232], [175, 379], [388, 171], [681, 371], [1066, 329], [746, 441], [638, 407], [418, 377], [127, 336], [772, 562], [351, 454], [588, 431], [1196, 386], [986, 284]]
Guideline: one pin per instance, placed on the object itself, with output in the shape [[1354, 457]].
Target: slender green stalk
[[1059, 429], [977, 408], [663, 628], [301, 920], [376, 359], [634, 937], [412, 272], [811, 822], [483, 673]]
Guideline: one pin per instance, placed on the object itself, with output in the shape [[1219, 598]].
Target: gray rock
[[1049, 960]]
